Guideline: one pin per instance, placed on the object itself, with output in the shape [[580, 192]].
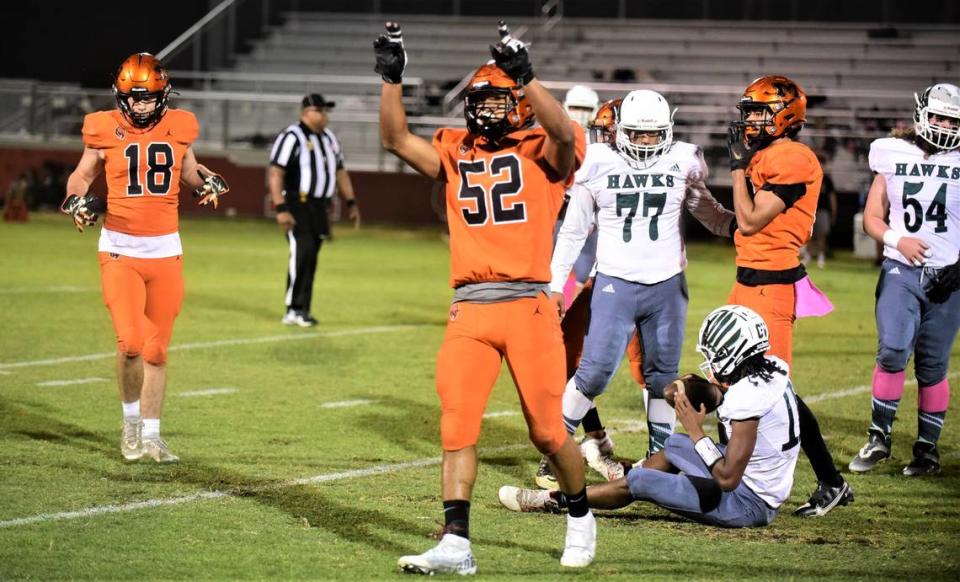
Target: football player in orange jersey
[[776, 183], [505, 183], [144, 147]]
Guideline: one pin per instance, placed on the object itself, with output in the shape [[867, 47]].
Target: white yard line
[[208, 392], [72, 382], [206, 495], [221, 343], [47, 289], [502, 413], [347, 403]]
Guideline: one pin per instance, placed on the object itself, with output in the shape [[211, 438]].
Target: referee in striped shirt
[[306, 168]]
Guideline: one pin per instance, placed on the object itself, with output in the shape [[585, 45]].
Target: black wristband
[[351, 202], [282, 207]]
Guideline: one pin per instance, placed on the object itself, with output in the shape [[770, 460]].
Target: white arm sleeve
[[577, 223], [701, 203]]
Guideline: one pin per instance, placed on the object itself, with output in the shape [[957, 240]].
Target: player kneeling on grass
[[741, 484]]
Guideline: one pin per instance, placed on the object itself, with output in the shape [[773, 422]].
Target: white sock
[[660, 412], [151, 428], [131, 410], [575, 406]]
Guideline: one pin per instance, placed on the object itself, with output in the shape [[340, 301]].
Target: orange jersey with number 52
[[501, 205], [142, 169]]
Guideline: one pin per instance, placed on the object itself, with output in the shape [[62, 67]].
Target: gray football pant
[[908, 321], [685, 496], [658, 312]]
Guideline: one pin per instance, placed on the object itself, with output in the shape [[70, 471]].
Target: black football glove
[[946, 283], [391, 58], [512, 57], [85, 210], [740, 154]]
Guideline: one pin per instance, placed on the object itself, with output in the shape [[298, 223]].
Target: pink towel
[[569, 291], [811, 302]]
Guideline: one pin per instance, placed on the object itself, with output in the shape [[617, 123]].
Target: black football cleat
[[824, 499], [926, 461]]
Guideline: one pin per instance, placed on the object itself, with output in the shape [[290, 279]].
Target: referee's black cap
[[316, 100]]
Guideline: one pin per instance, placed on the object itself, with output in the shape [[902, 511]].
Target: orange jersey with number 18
[[501, 205], [142, 169]]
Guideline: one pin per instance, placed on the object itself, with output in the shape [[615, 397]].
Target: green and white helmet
[[728, 336]]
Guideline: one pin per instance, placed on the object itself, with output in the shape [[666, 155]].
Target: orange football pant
[[144, 297], [478, 337], [776, 304], [574, 326]]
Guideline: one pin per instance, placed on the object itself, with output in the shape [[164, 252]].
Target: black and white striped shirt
[[310, 161]]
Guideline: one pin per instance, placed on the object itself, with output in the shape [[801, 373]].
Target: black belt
[[754, 277]]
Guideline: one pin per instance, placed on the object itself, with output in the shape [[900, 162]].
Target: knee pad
[[891, 359], [935, 398], [592, 381], [930, 373], [656, 383], [709, 493], [155, 354]]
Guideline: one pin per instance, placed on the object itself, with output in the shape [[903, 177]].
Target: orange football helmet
[[141, 76], [494, 105], [603, 128], [782, 103]]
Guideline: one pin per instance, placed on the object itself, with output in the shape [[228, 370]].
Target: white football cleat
[[130, 446], [581, 543], [517, 499], [451, 556], [158, 450], [598, 453]]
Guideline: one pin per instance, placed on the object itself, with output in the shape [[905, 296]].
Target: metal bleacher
[[860, 78]]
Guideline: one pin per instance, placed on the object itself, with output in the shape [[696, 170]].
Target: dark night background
[[83, 42]]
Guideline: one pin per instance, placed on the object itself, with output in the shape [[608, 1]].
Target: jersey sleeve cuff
[[789, 193]]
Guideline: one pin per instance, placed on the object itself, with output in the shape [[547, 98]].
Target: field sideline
[[313, 454]]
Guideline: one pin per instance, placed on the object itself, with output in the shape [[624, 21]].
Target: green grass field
[[275, 483]]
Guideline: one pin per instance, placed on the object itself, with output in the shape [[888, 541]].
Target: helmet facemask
[[761, 130], [143, 120], [937, 117], [729, 336], [488, 110], [644, 112]]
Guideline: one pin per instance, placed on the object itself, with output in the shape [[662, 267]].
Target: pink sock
[[888, 385], [935, 398]]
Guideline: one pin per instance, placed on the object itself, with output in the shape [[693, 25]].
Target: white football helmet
[[942, 100], [728, 336], [581, 104], [644, 111]]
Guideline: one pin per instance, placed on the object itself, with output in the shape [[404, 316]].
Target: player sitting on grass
[[741, 484]]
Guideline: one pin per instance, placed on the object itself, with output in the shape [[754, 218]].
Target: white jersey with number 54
[[637, 213], [924, 196]]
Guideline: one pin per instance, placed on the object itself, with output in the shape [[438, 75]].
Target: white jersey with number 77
[[637, 213]]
